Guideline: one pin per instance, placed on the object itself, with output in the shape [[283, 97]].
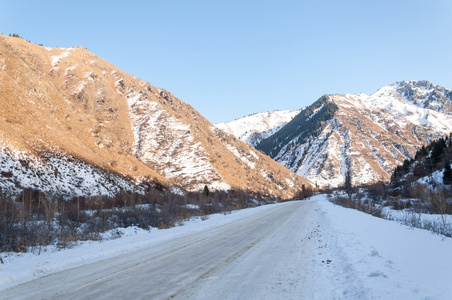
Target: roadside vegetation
[[31, 221], [419, 195], [432, 211]]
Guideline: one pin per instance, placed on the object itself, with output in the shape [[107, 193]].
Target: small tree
[[348, 183], [206, 191], [447, 176]]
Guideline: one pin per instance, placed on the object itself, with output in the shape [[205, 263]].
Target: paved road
[[265, 256]]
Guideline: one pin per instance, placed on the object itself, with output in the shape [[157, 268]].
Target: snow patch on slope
[[167, 145], [56, 59], [79, 88], [69, 70], [58, 175], [242, 156]]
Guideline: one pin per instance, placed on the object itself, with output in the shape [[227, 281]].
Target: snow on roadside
[[356, 256], [388, 260], [404, 214], [18, 268]]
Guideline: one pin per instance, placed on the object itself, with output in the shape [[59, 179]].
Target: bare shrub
[[358, 204], [418, 191], [440, 200], [32, 220], [344, 201], [305, 192], [414, 219]]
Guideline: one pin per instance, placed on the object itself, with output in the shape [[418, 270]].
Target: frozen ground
[[296, 250]]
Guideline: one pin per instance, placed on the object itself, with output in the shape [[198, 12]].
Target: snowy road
[[297, 250], [260, 257]]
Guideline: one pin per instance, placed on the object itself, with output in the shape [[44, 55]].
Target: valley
[[111, 187]]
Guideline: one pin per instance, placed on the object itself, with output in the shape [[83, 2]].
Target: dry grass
[[40, 111], [78, 105]]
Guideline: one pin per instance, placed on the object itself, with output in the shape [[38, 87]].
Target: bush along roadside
[[32, 221], [431, 210]]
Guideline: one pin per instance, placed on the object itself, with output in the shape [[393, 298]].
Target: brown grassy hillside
[[42, 107], [71, 101]]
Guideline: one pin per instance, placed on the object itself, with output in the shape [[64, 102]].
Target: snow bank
[[386, 259], [18, 268]]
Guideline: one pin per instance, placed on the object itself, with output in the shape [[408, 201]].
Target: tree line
[[32, 220]]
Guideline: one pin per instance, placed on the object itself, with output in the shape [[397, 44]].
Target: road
[[265, 256]]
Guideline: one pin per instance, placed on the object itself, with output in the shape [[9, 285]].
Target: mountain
[[74, 124], [254, 128], [420, 93], [359, 135]]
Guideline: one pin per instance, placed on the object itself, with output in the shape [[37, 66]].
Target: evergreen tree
[[348, 183], [438, 148], [447, 176], [206, 191], [421, 153], [308, 123], [406, 166]]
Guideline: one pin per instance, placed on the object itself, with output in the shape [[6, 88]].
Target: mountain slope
[[364, 136], [431, 165], [71, 103], [254, 128]]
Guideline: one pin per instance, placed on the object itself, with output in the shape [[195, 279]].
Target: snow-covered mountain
[[420, 93], [361, 135], [67, 110], [254, 128]]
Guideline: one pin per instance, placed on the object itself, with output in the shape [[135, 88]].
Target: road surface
[[269, 255]]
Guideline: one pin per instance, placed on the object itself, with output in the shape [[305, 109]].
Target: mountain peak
[[413, 83], [99, 116], [361, 135], [420, 93], [254, 128]]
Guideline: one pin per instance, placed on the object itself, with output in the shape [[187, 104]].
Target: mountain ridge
[[71, 101], [367, 136], [254, 128]]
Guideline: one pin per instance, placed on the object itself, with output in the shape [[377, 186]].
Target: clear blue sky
[[232, 58]]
